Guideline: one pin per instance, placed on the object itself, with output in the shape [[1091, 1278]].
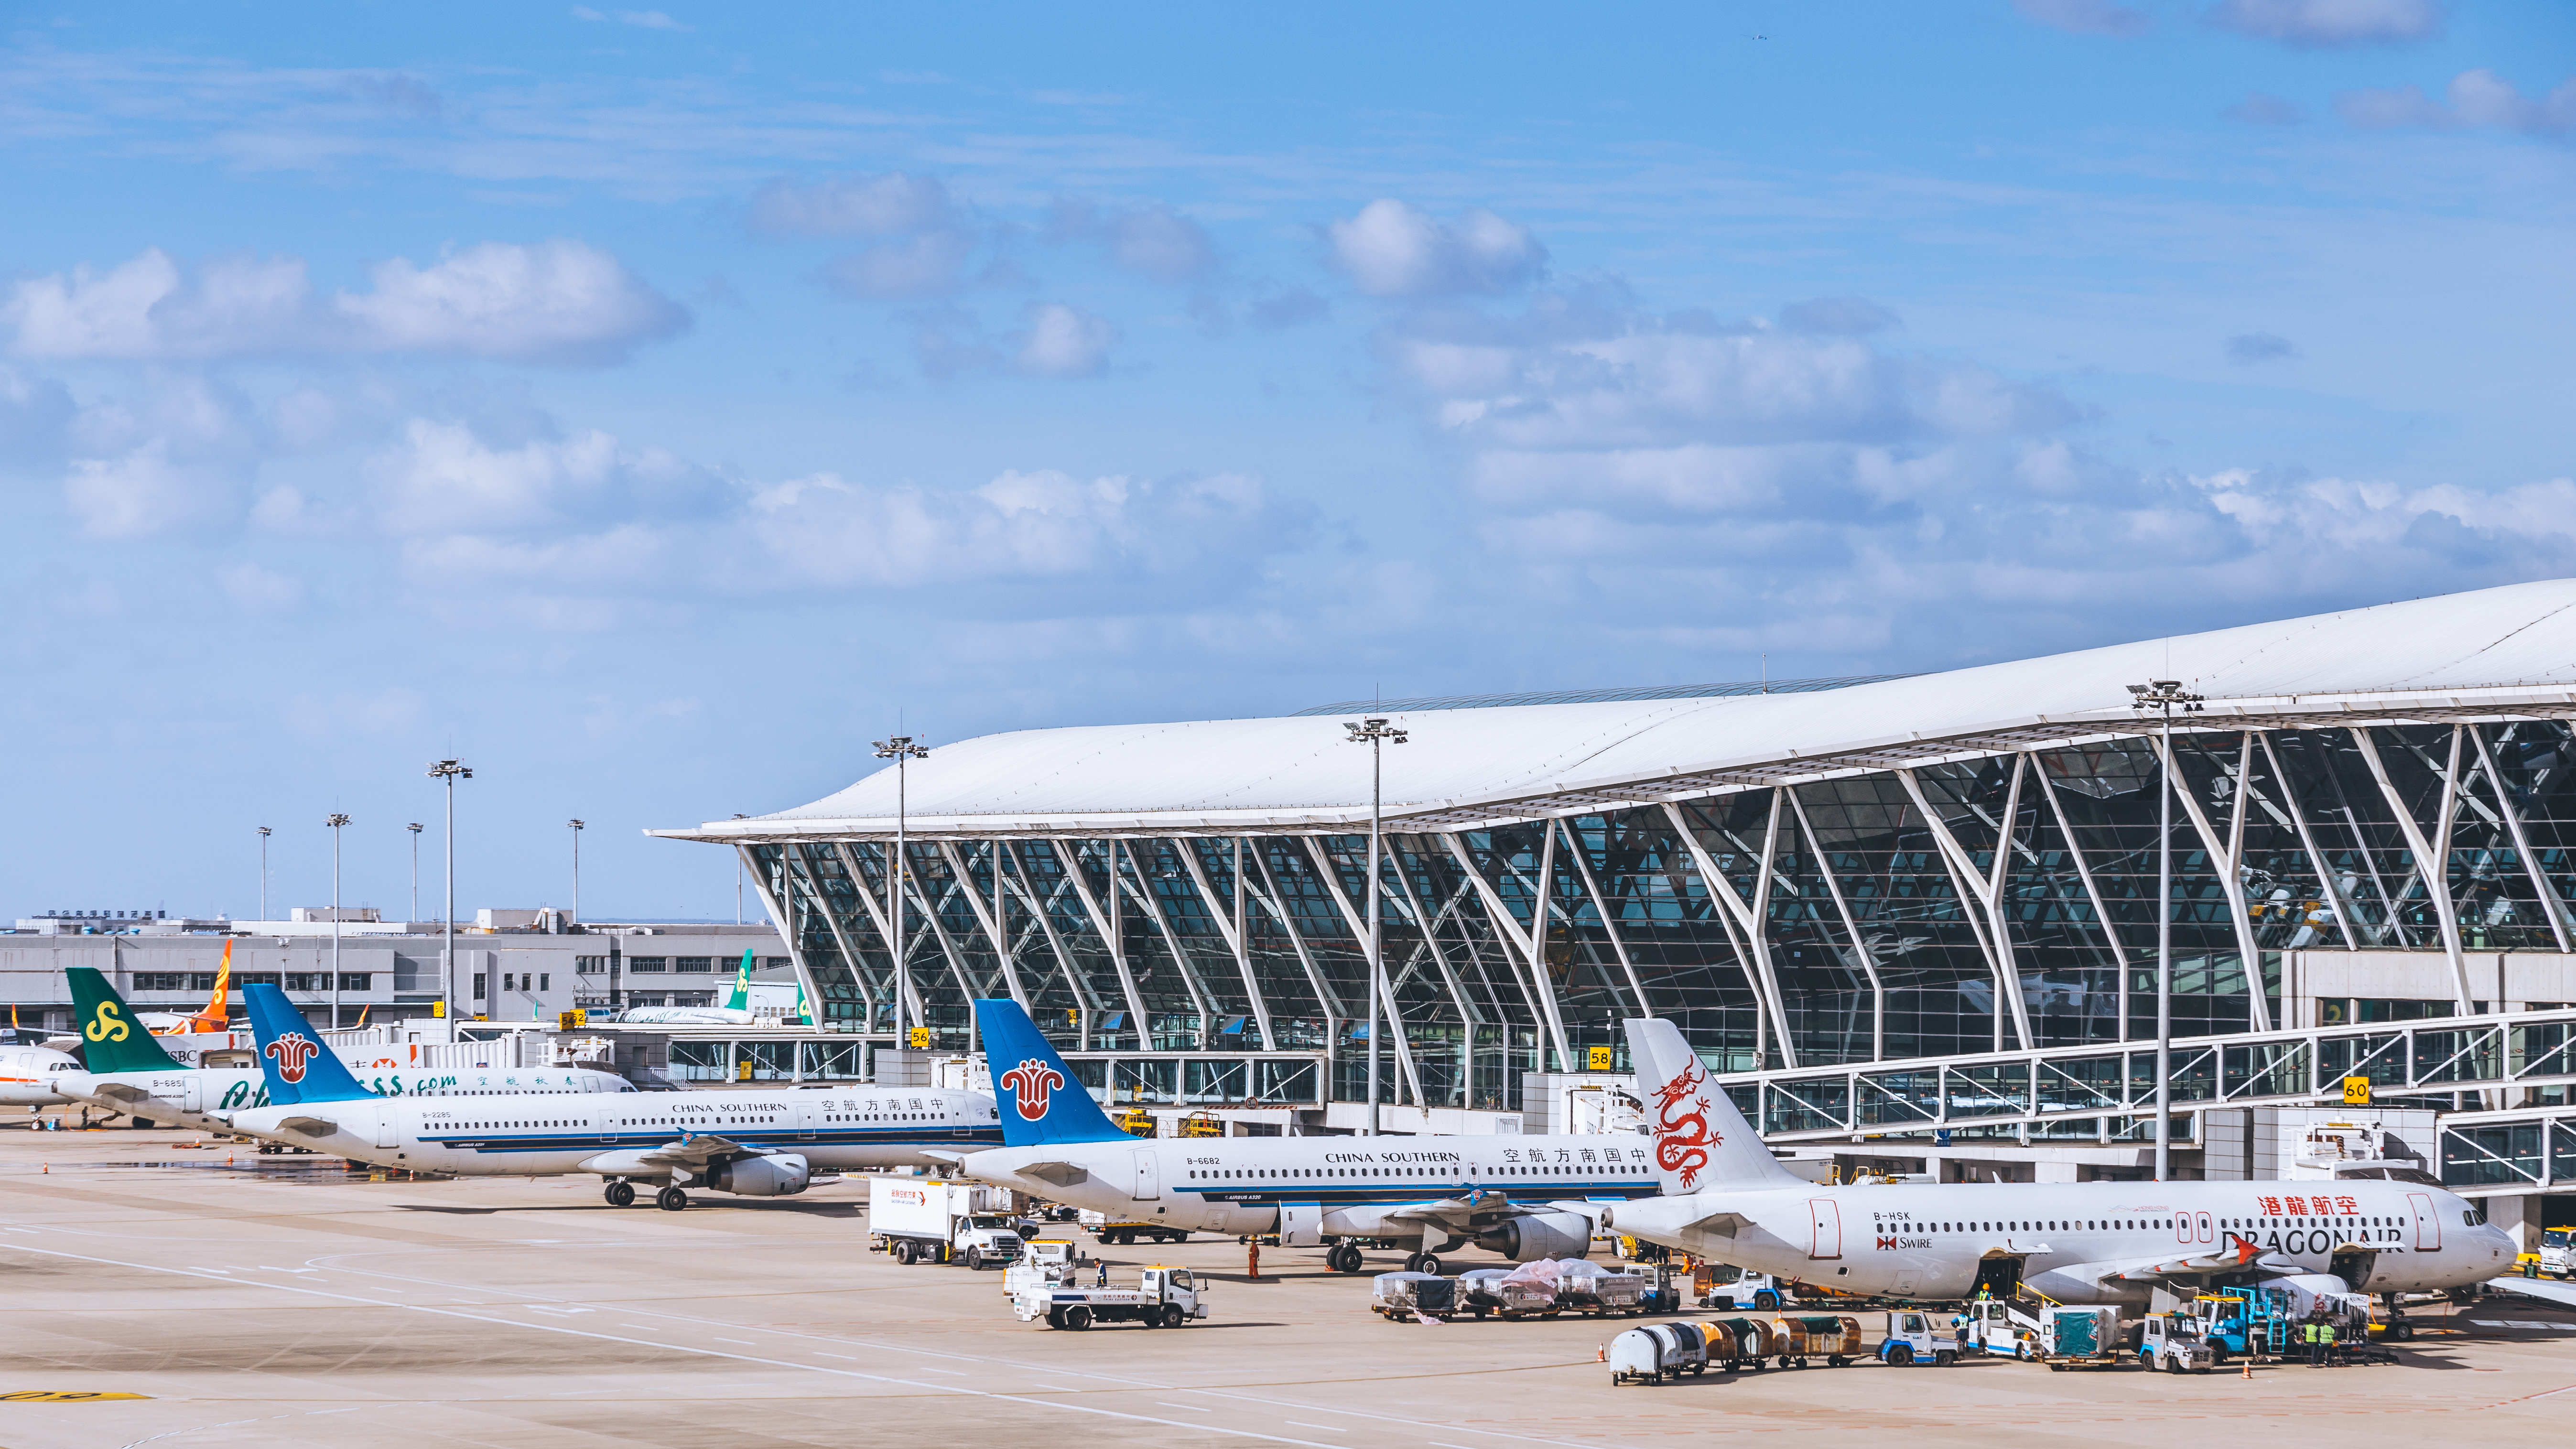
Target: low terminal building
[[1906, 920]]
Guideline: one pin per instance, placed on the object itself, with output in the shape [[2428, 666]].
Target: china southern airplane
[[754, 1144], [1503, 1193], [2076, 1242], [129, 1071]]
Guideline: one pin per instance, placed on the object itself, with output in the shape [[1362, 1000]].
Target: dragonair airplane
[[2076, 1242], [754, 1144], [31, 1076], [1505, 1194], [127, 1070]]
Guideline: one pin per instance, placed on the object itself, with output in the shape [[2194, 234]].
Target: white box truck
[[918, 1218]]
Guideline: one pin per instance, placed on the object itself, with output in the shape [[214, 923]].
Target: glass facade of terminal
[[1997, 903]]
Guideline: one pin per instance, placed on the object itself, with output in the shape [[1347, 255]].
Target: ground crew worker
[[1252, 1259], [2326, 1344], [2308, 1333], [1103, 1280]]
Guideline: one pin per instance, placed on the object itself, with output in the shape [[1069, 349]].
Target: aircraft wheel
[[1077, 1318], [1351, 1262], [671, 1199], [1430, 1263]]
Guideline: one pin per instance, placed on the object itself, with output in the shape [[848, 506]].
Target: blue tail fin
[[1040, 1100], [299, 1066]]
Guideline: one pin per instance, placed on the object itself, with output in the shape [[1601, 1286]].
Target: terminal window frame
[[648, 963], [695, 963]]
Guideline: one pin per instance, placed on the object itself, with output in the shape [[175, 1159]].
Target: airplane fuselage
[[200, 1096], [2095, 1242], [833, 1129], [31, 1076], [1329, 1186]]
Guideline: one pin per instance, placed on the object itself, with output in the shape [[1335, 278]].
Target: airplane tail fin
[[300, 1067], [741, 998], [217, 1014], [111, 1039], [1701, 1140], [1041, 1101]]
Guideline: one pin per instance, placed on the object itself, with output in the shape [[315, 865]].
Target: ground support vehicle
[[1411, 1297], [1914, 1338], [1043, 1260], [2246, 1322], [1834, 1339], [2081, 1338], [2172, 1342], [1992, 1327], [2558, 1252], [1660, 1351], [1501, 1291], [1164, 1297], [1756, 1342], [1125, 1231], [921, 1218], [1719, 1285]]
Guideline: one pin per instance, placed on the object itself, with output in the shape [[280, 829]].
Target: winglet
[[111, 1039], [1041, 1100], [1701, 1140], [299, 1066]]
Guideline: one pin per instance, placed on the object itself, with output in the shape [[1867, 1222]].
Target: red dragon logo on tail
[[1031, 1083], [1682, 1135], [291, 1052]]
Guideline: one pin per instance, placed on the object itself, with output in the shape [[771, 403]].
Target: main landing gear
[[670, 1199], [621, 1194], [1422, 1263], [1344, 1258]]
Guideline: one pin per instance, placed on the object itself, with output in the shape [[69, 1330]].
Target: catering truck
[[917, 1218]]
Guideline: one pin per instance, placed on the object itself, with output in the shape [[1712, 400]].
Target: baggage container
[[2075, 1338], [1661, 1351], [1584, 1287], [1756, 1342], [1505, 1292], [1803, 1337], [1401, 1297]]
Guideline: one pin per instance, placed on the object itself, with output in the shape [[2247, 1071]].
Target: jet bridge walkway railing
[[2049, 1093], [2516, 1152]]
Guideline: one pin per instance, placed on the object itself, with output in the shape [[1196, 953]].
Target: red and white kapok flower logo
[[291, 1052], [1031, 1083]]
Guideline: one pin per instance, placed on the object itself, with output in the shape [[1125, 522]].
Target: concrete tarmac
[[262, 1301]]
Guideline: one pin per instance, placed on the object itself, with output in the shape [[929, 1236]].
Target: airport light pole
[[2162, 696], [335, 820], [263, 872], [902, 750], [576, 870], [414, 828], [448, 772], [1375, 734]]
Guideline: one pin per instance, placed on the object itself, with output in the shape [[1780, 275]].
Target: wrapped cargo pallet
[[1403, 1296]]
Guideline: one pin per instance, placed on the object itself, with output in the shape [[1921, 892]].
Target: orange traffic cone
[[44, 1169], [1600, 1353], [2249, 1369]]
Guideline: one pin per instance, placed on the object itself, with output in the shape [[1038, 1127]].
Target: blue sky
[[654, 407]]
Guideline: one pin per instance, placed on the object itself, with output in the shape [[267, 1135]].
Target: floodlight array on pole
[[902, 750], [1375, 734], [576, 827], [448, 772], [2164, 696], [263, 872], [335, 821]]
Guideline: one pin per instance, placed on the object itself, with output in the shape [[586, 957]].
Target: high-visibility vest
[[2327, 1333], [2311, 1333]]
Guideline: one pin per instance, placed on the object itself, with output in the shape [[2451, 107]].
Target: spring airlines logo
[[1682, 1135], [291, 1052], [1031, 1083], [107, 1025]]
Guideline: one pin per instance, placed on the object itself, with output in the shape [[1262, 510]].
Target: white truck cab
[[920, 1218], [1915, 1337], [1164, 1297], [1993, 1327], [2558, 1252], [2173, 1342], [1732, 1287]]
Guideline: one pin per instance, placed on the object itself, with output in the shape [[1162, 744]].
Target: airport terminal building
[[1916, 911]]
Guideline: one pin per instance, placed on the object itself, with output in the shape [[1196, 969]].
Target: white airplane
[[130, 1070], [737, 1010], [1505, 1194], [32, 1076], [2076, 1242], [755, 1144]]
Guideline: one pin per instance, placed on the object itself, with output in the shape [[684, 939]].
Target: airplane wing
[[120, 1092], [694, 1152], [2238, 1256], [1722, 1223], [1471, 1210]]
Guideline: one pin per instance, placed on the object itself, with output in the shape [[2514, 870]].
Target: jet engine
[[1541, 1235], [776, 1176]]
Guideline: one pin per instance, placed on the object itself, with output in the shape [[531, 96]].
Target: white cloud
[[1062, 342], [1154, 241], [260, 590], [2474, 98], [445, 477], [2330, 24], [929, 265], [560, 301], [145, 493], [1392, 250], [861, 204], [641, 19]]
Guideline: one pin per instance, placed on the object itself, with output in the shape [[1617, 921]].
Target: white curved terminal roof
[[2497, 652]]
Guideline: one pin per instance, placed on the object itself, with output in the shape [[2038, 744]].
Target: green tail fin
[[111, 1039], [741, 998]]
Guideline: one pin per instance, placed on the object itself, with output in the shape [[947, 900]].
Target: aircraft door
[[1825, 1223], [805, 1115], [2202, 1227], [1148, 1183], [388, 1124], [188, 1094], [2428, 1225]]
